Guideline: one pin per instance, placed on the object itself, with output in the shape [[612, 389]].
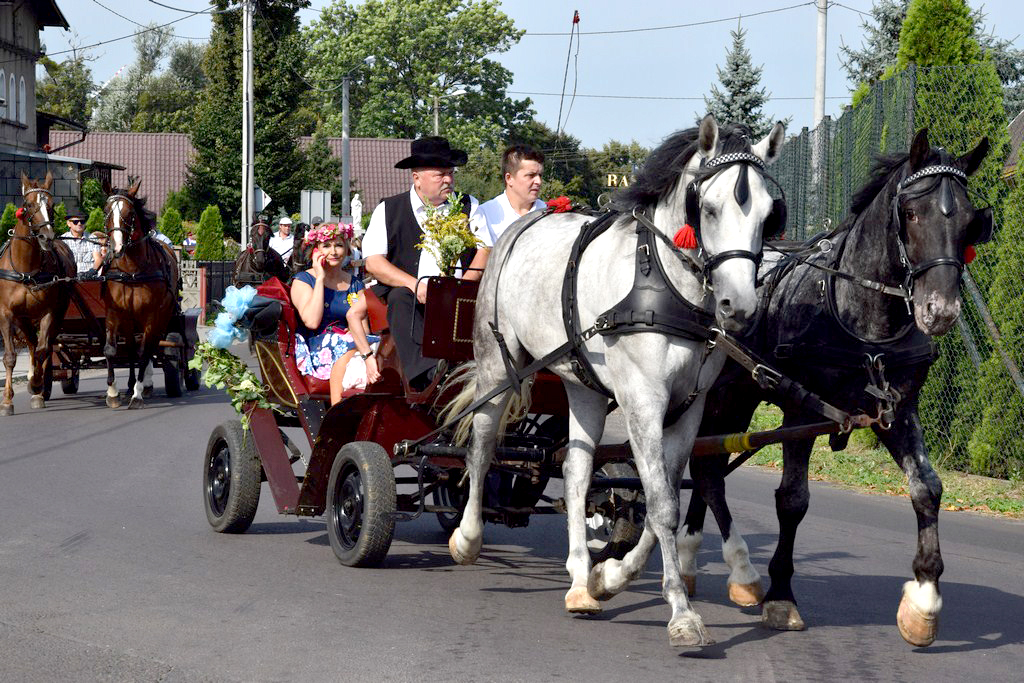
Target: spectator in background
[[189, 243], [282, 242]]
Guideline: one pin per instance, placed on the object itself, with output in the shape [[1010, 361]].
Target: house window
[[21, 101], [12, 105], [3, 94]]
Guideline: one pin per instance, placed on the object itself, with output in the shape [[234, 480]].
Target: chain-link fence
[[973, 403]]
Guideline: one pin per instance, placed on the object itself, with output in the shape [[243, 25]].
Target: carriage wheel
[[449, 494], [231, 479], [361, 502], [614, 516], [70, 385]]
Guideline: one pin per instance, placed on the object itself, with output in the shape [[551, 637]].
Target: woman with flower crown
[[333, 315]]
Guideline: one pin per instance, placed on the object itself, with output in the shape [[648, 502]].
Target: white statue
[[357, 215]]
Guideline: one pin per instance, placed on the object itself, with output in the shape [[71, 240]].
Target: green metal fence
[[973, 404]]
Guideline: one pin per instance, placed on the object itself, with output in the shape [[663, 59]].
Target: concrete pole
[[346, 166], [819, 64], [248, 175], [437, 120]]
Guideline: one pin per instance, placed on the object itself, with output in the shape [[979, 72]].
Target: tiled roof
[[159, 159], [374, 175]]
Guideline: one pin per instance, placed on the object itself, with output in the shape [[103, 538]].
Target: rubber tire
[[70, 385], [191, 379], [625, 531], [361, 476], [232, 462], [172, 377]]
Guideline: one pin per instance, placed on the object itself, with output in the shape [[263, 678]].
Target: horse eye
[[911, 215]]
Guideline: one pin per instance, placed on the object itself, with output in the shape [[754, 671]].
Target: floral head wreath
[[329, 231]]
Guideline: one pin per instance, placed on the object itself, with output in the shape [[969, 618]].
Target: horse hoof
[[688, 632], [6, 410], [578, 601], [746, 594], [690, 580], [782, 615], [457, 555], [135, 404], [917, 628], [36, 402], [597, 583], [147, 392], [113, 401]]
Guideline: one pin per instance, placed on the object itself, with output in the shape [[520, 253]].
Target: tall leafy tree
[[66, 88], [118, 101], [279, 56], [740, 100], [424, 49], [167, 103]]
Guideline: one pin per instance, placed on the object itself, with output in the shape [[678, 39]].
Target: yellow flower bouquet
[[446, 234]]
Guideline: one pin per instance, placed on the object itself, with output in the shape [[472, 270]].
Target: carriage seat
[[312, 387]]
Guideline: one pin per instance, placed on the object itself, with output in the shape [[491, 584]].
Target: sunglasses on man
[[75, 221]]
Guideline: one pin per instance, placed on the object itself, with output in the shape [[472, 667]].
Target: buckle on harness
[[766, 377]]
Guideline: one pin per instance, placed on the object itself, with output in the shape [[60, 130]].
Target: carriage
[[79, 345]]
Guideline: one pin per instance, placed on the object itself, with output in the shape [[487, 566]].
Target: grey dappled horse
[[818, 330], [649, 374]]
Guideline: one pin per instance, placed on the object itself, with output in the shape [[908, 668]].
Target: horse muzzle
[[935, 314], [733, 319]]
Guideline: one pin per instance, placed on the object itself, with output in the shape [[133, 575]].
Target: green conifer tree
[[210, 237], [170, 224], [7, 222], [60, 218], [740, 100], [95, 220], [92, 195]]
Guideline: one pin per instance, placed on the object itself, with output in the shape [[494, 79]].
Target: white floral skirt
[[317, 355]]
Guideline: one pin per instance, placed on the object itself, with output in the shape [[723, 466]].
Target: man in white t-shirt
[[282, 242], [523, 169], [390, 253]]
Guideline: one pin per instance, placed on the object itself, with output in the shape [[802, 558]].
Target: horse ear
[[25, 183], [136, 183], [970, 162], [107, 188], [707, 136], [770, 147], [49, 181], [919, 149]]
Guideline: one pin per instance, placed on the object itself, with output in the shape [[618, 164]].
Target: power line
[[852, 9], [651, 97], [132, 21], [675, 26]]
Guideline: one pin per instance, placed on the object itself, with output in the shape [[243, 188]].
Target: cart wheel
[[231, 479], [614, 516], [70, 385], [191, 379], [449, 494], [361, 502]]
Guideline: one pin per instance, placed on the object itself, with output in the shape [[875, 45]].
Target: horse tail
[[464, 382]]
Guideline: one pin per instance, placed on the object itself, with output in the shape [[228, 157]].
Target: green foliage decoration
[[210, 236], [446, 235], [7, 222], [226, 371]]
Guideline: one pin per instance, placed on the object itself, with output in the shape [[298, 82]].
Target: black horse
[[258, 262], [301, 257], [908, 229]]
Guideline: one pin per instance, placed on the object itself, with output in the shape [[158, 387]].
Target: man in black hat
[[390, 253], [88, 256]]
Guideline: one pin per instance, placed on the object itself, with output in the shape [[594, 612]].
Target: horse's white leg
[[468, 538], [138, 390], [110, 351], [10, 358], [147, 380], [744, 582], [587, 412]]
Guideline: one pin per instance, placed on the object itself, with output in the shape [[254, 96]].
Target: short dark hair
[[517, 154]]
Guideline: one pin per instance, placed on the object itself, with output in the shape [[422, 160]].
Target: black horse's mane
[[660, 172], [147, 219]]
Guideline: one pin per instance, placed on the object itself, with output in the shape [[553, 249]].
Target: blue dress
[[316, 351]]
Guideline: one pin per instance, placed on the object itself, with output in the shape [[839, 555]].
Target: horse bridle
[[35, 227], [130, 226], [741, 192]]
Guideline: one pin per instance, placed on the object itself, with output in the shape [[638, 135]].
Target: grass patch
[[866, 466]]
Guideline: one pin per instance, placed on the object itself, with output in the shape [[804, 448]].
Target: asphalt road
[[108, 571]]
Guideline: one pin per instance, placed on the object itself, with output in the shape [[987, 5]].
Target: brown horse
[[258, 263], [140, 287], [34, 288], [301, 257]]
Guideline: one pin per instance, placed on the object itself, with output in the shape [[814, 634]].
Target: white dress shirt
[[282, 245], [375, 241], [499, 214]]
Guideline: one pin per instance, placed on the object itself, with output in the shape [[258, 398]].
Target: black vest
[[404, 233]]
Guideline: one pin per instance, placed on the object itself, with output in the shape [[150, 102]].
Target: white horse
[[719, 174]]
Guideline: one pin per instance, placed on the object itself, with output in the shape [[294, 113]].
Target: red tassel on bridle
[[969, 253], [686, 237], [19, 213]]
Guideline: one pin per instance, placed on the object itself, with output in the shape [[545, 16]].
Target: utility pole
[[248, 174], [819, 63], [346, 156]]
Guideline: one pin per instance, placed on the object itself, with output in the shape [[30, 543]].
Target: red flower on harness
[[969, 253], [560, 204], [20, 213], [686, 237]]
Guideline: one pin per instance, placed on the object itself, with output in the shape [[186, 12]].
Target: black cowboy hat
[[73, 209], [433, 152]]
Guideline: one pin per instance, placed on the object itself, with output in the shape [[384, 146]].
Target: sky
[[631, 84]]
